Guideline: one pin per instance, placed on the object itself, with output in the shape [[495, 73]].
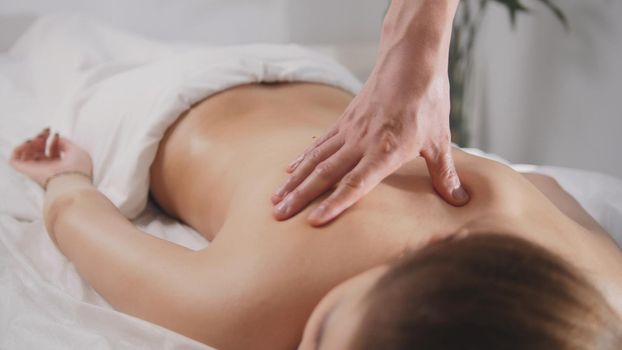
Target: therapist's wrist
[[420, 32], [407, 16], [402, 82]]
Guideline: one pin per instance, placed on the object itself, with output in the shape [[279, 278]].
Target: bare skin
[[401, 113], [258, 282]]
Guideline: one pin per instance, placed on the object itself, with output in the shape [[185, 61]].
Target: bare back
[[219, 163]]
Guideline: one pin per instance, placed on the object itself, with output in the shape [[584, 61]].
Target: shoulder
[[567, 204], [491, 183]]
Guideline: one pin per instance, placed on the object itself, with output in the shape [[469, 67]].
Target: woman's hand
[[30, 158]]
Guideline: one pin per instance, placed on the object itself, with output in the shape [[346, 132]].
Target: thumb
[[445, 178]]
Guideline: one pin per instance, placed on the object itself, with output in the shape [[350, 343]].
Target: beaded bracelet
[[68, 172]]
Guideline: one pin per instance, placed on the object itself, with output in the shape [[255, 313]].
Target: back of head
[[486, 292]]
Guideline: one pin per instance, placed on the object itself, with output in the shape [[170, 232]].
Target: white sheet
[[45, 304], [119, 93]]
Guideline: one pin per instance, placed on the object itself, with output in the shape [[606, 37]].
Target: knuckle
[[447, 172], [324, 170], [315, 156], [361, 123], [387, 152], [388, 137], [293, 180], [392, 127], [389, 145], [353, 181], [364, 130], [378, 161]]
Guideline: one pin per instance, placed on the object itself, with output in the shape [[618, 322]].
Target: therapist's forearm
[[416, 36]]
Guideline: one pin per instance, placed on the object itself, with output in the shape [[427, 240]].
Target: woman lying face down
[[369, 280], [484, 291]]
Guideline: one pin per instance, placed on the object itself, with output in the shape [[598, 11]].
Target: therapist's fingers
[[444, 176], [354, 186], [307, 165], [324, 176], [293, 165]]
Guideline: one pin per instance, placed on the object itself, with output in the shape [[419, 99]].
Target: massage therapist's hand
[[401, 113], [30, 158]]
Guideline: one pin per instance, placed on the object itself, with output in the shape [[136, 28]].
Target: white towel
[[115, 94]]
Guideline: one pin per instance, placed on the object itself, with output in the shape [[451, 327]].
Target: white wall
[[221, 21], [547, 96], [210, 21], [347, 29]]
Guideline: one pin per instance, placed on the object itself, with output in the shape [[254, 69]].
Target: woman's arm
[[135, 272]]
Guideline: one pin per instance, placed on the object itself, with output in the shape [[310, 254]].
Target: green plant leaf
[[514, 7], [557, 12]]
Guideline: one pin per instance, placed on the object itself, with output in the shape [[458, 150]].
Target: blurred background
[[536, 93]]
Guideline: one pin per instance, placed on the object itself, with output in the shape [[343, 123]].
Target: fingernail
[[276, 199], [295, 163], [282, 207], [460, 195], [316, 215], [291, 167]]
